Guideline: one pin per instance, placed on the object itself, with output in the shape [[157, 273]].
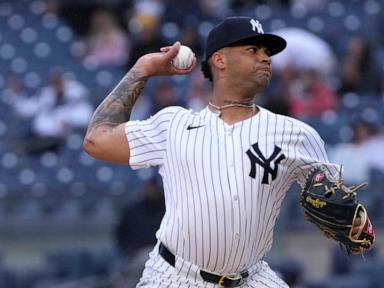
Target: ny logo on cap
[[256, 25]]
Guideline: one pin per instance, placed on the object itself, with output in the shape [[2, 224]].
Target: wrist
[[141, 71]]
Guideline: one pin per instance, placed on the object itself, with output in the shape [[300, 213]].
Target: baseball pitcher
[[227, 168]]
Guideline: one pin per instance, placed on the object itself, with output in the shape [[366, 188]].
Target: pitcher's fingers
[[171, 51], [355, 230], [167, 48], [356, 227]]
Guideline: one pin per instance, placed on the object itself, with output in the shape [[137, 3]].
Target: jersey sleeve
[[311, 153], [148, 138]]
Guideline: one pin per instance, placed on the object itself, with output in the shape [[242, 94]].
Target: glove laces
[[339, 184]]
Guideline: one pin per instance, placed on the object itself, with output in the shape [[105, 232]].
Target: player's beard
[[262, 80]]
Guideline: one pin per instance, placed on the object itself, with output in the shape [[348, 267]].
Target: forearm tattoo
[[116, 108]]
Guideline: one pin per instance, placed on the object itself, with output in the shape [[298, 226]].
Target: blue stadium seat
[[69, 263], [104, 211], [7, 277], [328, 131], [28, 277], [102, 261], [372, 269], [350, 281], [315, 284], [68, 211], [28, 210]]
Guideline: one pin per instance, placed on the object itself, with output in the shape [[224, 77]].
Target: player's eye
[[253, 49]]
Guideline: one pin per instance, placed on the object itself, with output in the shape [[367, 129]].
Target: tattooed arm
[[105, 138]]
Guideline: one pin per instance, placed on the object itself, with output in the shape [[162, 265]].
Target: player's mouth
[[265, 72], [265, 69]]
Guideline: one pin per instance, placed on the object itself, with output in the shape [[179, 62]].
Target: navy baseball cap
[[241, 30]]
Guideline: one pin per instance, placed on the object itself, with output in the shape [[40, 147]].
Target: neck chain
[[220, 108]]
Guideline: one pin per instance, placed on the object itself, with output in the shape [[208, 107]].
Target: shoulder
[[164, 116], [297, 125], [171, 112]]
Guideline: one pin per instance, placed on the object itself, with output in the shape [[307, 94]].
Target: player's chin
[[263, 81]]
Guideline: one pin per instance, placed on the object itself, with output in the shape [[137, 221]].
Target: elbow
[[105, 145], [90, 146]]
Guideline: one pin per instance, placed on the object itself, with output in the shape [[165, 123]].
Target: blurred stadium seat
[[350, 281], [372, 269]]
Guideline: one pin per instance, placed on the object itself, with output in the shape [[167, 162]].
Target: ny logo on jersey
[[256, 25], [275, 158]]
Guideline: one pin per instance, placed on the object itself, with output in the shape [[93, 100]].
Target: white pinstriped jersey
[[223, 184]]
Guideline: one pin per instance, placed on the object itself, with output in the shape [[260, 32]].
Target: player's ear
[[218, 60]]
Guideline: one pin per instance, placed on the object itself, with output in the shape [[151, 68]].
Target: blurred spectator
[[165, 94], [305, 51], [303, 72], [238, 5], [107, 43], [189, 37], [135, 231], [199, 91], [290, 269], [140, 220], [190, 10], [51, 6], [212, 9], [144, 22], [358, 72], [16, 97], [309, 5], [310, 95], [146, 40], [60, 108], [356, 154], [148, 8], [14, 91], [246, 5], [376, 157], [276, 97]]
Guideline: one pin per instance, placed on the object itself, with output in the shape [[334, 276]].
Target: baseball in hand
[[184, 58]]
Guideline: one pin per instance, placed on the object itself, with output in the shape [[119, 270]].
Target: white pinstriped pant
[[159, 274]]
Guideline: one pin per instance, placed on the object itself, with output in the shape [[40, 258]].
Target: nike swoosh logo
[[190, 127]]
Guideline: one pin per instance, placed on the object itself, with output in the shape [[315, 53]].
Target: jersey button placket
[[229, 136], [232, 176]]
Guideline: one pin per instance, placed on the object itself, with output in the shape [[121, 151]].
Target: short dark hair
[[206, 69]]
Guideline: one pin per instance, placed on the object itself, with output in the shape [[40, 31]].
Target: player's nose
[[266, 59]]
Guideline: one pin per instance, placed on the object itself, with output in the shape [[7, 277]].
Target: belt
[[227, 281]]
